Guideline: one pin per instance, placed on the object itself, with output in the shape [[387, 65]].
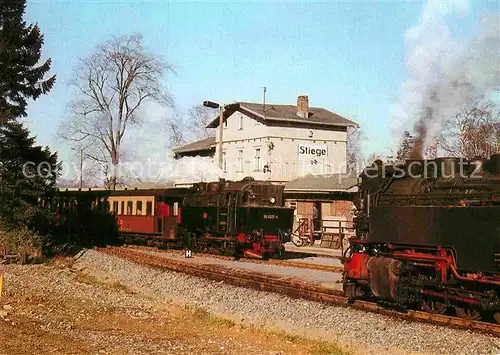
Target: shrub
[[22, 238]]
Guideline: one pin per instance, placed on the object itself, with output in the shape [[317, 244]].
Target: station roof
[[323, 184], [203, 144], [274, 113]]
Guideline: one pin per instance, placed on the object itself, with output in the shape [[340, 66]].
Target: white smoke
[[193, 169], [446, 75], [165, 169]]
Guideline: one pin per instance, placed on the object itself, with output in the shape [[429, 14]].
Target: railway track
[[288, 263], [291, 287]]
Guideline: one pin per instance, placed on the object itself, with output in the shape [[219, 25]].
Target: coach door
[[168, 217], [171, 220], [162, 210]]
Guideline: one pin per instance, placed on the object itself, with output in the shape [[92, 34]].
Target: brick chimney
[[303, 106]]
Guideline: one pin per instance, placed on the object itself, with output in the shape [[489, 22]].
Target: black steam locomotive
[[244, 218], [428, 236]]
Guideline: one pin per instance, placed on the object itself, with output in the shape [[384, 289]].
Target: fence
[[332, 232]]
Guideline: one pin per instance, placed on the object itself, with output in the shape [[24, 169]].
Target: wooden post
[[1, 283]]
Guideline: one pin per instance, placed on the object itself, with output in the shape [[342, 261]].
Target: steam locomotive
[[242, 218], [428, 236]]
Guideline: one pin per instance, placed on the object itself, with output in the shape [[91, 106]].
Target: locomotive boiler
[[242, 218], [428, 236]]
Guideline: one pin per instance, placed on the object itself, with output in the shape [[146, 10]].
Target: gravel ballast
[[325, 278], [369, 332]]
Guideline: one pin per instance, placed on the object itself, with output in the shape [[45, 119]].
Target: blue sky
[[346, 56]]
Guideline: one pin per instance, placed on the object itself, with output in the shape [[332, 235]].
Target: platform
[[314, 250]]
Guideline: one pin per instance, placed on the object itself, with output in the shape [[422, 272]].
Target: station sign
[[316, 150]]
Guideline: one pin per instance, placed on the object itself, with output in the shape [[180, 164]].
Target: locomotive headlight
[[272, 200]]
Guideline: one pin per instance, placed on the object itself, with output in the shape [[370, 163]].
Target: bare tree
[[199, 117], [405, 148], [111, 87], [473, 132], [431, 151], [176, 128], [354, 155], [193, 126]]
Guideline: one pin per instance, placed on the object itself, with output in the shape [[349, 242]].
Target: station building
[[300, 146], [275, 142]]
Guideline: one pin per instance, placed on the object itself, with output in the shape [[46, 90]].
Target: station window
[[115, 207], [138, 208], [149, 208], [122, 210], [240, 159], [240, 126], [256, 162], [130, 205], [224, 161]]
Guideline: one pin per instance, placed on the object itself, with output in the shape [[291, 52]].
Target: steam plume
[[445, 75]]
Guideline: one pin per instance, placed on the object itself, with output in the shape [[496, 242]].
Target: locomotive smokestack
[[495, 158], [303, 106], [492, 165]]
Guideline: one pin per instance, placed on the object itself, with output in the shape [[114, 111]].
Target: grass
[[210, 319], [317, 347]]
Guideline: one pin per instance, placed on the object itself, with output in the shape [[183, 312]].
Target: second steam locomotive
[[428, 236]]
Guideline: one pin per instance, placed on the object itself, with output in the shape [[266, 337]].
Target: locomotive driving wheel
[[434, 307], [468, 312]]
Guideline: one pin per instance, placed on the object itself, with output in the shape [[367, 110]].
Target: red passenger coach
[[150, 215]]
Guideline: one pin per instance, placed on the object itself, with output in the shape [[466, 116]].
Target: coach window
[[138, 208], [176, 208], [130, 205], [115, 207], [122, 209], [149, 208]]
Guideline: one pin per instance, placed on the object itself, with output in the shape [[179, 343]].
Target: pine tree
[[21, 77], [26, 170]]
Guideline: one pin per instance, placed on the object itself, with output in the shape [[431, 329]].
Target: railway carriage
[[149, 216]]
